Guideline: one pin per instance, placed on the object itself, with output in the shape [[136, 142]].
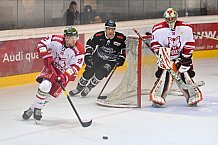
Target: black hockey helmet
[[110, 23]]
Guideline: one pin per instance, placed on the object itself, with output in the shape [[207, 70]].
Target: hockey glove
[[48, 62], [62, 78], [88, 60], [120, 60], [185, 63]]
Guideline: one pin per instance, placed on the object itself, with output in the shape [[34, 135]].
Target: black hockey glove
[[184, 64], [120, 60], [185, 61], [88, 60]]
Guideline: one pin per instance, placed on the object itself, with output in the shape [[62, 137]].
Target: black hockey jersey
[[105, 48]]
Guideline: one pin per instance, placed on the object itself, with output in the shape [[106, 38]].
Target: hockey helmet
[[170, 16], [110, 23], [70, 31]]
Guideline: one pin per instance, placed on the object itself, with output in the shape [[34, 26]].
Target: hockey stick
[[84, 124], [172, 72], [205, 36], [104, 97]]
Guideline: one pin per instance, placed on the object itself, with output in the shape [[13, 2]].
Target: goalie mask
[[170, 16], [71, 36]]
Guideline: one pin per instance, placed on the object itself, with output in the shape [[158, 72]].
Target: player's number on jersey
[[80, 60]]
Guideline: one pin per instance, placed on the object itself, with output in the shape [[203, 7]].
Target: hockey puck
[[105, 137]]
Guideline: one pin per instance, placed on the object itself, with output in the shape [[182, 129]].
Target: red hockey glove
[[64, 77], [48, 62]]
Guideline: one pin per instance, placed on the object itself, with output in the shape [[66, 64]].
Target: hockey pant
[[47, 89], [93, 75]]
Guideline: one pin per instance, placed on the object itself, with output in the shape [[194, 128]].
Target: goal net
[[138, 79]]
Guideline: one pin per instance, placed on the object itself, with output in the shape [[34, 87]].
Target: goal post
[[138, 79]]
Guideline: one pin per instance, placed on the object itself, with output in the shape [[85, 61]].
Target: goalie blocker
[[165, 81]]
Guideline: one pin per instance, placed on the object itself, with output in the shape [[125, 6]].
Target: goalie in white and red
[[173, 41], [63, 56]]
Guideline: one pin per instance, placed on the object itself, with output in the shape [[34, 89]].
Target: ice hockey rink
[[174, 124]]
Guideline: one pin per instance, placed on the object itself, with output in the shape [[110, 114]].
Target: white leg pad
[[161, 89], [195, 94]]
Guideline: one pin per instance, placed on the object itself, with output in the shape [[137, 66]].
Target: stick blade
[[102, 97], [86, 124]]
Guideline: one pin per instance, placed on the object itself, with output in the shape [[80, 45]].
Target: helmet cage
[[170, 16]]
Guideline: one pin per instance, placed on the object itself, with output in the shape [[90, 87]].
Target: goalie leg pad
[[193, 95], [161, 88]]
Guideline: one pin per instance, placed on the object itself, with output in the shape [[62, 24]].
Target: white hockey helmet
[[170, 16]]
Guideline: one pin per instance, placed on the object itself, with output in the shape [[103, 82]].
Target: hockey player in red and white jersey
[[63, 57], [173, 39]]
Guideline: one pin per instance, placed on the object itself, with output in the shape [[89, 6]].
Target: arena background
[[23, 23]]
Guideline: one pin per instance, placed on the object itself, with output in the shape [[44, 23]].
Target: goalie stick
[[179, 81], [84, 124]]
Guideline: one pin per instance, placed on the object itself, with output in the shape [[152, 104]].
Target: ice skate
[[27, 114], [75, 92], [157, 105], [37, 114], [80, 86], [85, 91]]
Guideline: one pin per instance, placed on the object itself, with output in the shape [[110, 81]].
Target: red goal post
[[139, 76]]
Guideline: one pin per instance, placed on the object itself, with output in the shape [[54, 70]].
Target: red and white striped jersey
[[68, 60], [180, 40]]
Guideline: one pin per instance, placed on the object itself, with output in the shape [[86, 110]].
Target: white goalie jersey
[[180, 39]]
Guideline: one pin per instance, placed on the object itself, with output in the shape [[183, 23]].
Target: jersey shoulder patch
[[120, 36], [99, 34]]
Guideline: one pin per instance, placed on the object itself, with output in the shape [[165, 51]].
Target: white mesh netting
[[125, 94]]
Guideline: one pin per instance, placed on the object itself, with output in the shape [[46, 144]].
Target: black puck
[[105, 137]]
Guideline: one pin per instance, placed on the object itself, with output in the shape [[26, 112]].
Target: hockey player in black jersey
[[104, 51]]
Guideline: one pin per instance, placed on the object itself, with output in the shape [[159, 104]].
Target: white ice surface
[[175, 124]]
